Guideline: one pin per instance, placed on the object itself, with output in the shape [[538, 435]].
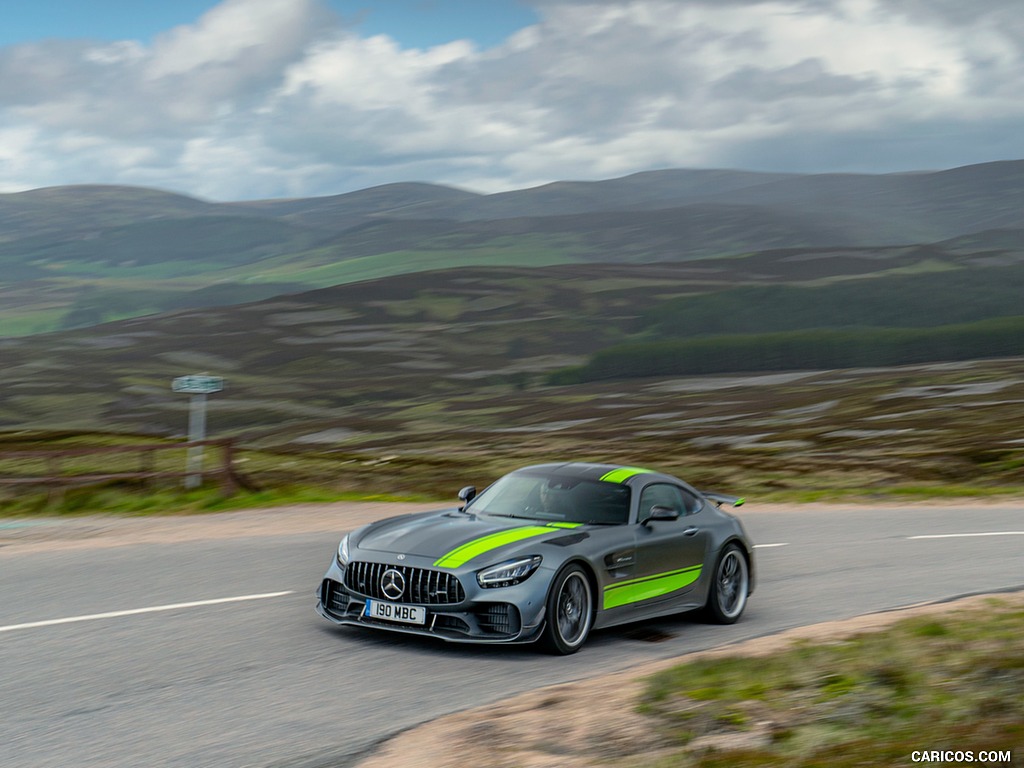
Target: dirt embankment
[[591, 722]]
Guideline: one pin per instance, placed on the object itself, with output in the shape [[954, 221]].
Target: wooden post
[[228, 480], [146, 466]]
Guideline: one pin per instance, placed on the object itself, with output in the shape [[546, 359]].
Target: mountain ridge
[[61, 247]]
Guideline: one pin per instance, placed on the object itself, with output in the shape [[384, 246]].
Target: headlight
[[343, 552], [508, 573]]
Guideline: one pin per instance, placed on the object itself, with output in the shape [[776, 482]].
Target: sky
[[250, 99]]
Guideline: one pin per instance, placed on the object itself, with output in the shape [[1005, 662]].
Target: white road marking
[[967, 535], [134, 611], [770, 546]]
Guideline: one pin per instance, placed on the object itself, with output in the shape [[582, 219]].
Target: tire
[[727, 595], [570, 611]]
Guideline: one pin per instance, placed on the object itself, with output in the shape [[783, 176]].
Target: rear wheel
[[570, 611], [728, 594]]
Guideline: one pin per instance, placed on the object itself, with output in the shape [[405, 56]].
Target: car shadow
[[369, 638], [647, 631]]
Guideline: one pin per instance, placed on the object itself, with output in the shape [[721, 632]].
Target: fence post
[[228, 481], [146, 466]]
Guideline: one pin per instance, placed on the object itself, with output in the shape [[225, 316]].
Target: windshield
[[554, 498]]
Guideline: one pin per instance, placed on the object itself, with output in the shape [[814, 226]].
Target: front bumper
[[505, 615]]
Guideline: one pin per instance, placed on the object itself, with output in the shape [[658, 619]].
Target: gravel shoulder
[[31, 534]]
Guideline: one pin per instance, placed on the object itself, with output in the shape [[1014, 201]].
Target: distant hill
[[339, 212], [915, 207], [650, 190], [196, 243], [380, 353], [145, 250], [63, 213]]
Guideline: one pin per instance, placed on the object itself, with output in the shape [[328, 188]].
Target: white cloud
[[244, 34], [277, 97], [17, 164]]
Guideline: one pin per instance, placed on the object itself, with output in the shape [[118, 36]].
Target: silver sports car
[[546, 553]]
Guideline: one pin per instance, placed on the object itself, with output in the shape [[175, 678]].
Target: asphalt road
[[263, 681]]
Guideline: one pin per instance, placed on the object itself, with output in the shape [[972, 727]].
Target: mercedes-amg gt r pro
[[546, 553]]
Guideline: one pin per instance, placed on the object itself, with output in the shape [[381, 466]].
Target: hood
[[452, 539]]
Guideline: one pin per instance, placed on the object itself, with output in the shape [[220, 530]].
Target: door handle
[[691, 531]]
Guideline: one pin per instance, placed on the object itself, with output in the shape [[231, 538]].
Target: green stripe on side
[[469, 550], [635, 590], [564, 525], [622, 474]]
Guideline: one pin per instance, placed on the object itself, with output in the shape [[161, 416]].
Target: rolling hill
[[425, 377], [355, 349], [76, 255]]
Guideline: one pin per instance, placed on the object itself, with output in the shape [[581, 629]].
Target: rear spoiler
[[721, 498]]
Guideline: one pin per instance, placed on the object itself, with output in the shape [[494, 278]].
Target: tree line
[[807, 349], [894, 301], [882, 320]]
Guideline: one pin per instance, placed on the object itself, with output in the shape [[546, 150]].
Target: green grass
[[93, 271], [29, 323], [133, 499], [936, 682], [402, 262], [116, 292], [893, 493], [295, 478], [278, 478]]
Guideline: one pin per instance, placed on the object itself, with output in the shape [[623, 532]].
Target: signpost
[[199, 386]]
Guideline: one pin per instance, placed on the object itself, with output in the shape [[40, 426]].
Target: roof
[[612, 473]]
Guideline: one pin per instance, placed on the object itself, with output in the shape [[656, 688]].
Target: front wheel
[[570, 611], [728, 594]]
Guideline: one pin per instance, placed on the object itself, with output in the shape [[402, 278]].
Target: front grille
[[333, 598], [447, 621], [499, 618], [422, 585]]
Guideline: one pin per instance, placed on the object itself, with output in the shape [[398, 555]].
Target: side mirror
[[661, 513], [466, 495]]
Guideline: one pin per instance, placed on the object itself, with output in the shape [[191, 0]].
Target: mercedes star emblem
[[392, 584]]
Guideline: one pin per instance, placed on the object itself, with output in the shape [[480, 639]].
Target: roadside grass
[[940, 682], [400, 472], [895, 493], [275, 478], [128, 499]]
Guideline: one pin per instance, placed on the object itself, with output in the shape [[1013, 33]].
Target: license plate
[[407, 614]]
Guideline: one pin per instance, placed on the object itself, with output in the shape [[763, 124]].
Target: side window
[[665, 495], [660, 495], [691, 503]]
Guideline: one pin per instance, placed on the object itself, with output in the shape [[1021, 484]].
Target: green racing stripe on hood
[[622, 474], [463, 554]]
